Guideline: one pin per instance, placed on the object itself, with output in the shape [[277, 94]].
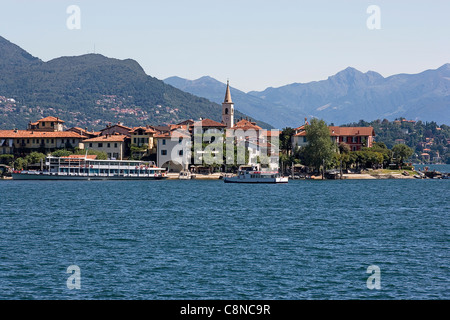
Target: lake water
[[210, 240]]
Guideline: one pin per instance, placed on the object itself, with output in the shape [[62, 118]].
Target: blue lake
[[210, 240]]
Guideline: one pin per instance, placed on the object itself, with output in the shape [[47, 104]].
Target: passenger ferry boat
[[255, 175], [84, 168]]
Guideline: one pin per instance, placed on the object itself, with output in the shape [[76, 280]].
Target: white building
[[173, 150]]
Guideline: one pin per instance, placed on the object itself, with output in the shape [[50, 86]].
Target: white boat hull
[[24, 176], [256, 180]]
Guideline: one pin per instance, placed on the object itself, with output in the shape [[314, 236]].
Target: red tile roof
[[271, 133], [210, 123], [345, 131], [116, 125], [108, 138], [245, 124], [146, 130], [174, 133], [50, 119], [352, 131], [20, 134]]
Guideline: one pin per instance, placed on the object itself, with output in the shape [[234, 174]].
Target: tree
[[320, 148], [20, 164], [402, 152], [101, 155], [35, 157], [285, 140], [61, 153], [6, 159]]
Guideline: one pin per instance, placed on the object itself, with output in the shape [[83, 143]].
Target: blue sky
[[256, 44]]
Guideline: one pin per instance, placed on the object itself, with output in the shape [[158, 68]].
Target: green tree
[[320, 148], [20, 164], [6, 159], [402, 152], [285, 140], [101, 155], [35, 157], [61, 153]]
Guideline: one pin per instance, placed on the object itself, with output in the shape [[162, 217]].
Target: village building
[[45, 135], [355, 137], [47, 124], [115, 145], [173, 150], [228, 109], [143, 137], [85, 132], [117, 128]]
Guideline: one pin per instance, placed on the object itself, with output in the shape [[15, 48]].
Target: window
[[53, 140], [62, 140], [73, 140], [52, 124], [43, 124], [100, 145], [164, 152], [28, 140], [180, 153], [47, 141], [115, 145], [134, 140], [164, 142], [180, 140], [355, 139], [226, 110], [304, 139], [34, 140], [109, 145], [90, 145]]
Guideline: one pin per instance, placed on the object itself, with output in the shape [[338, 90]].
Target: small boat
[[254, 175], [186, 175]]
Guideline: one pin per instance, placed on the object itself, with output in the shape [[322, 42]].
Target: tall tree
[[402, 152], [320, 148]]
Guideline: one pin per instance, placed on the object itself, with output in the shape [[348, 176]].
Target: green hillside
[[90, 91]]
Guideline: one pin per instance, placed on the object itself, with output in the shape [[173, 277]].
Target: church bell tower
[[228, 109]]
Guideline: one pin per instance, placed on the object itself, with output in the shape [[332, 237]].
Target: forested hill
[[422, 137], [90, 91]]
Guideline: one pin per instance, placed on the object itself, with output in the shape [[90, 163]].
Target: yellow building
[[143, 136], [48, 124], [115, 145], [22, 142], [44, 135]]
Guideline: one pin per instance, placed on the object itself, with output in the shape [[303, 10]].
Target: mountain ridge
[[348, 96], [91, 90]]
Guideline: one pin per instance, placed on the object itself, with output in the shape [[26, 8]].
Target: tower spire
[[228, 108], [228, 94]]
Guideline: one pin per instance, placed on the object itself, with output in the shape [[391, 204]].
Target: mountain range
[[348, 96], [91, 91]]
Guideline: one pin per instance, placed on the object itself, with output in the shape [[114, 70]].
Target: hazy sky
[[256, 44]]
